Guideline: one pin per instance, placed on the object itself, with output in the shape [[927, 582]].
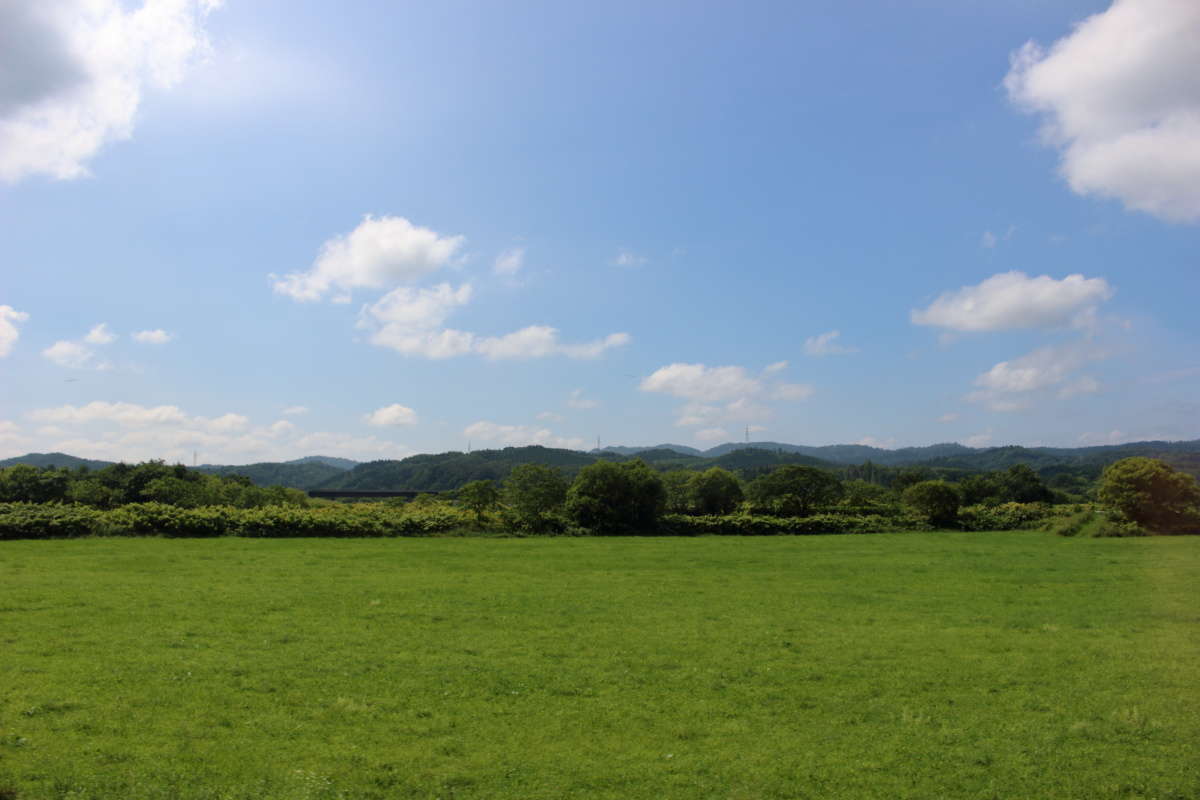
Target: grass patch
[[959, 665]]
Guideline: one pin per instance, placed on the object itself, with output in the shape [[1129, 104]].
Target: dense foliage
[[1151, 494], [609, 498]]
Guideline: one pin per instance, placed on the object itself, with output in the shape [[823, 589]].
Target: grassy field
[[1004, 665]]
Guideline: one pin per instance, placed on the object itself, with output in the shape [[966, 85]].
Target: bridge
[[359, 494]]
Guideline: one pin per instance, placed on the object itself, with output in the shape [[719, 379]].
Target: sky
[[252, 231]]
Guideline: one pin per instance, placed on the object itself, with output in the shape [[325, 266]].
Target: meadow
[[919, 665]]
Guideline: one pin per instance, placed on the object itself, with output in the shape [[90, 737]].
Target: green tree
[[794, 490], [1023, 485], [860, 493], [478, 496], [1151, 493], [533, 493], [25, 484], [938, 501], [678, 486], [715, 491], [613, 498]]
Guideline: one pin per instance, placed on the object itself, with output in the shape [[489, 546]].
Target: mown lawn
[[1001, 665]]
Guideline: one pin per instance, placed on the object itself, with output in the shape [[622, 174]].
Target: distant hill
[[54, 460], [340, 463], [295, 475], [443, 471], [629, 451], [451, 470]]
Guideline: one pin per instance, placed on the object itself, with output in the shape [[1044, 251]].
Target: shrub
[[714, 491], [794, 490], [533, 493], [46, 521], [1151, 494], [1004, 516], [610, 498], [937, 501]]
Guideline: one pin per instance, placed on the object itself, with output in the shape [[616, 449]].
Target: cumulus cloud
[[72, 355], [628, 258], [294, 411], [517, 435], [826, 344], [100, 334], [577, 400], [72, 75], [78, 354], [509, 262], [9, 333], [410, 322], [700, 382], [1120, 98], [1051, 370], [124, 414], [394, 414], [156, 336], [538, 341], [1013, 300], [712, 435], [380, 252], [134, 432], [720, 395]]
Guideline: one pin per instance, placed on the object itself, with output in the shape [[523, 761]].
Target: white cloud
[[1111, 437], [778, 366], [720, 395], [100, 334], [980, 439], [628, 258], [948, 417], [226, 423], [9, 333], [517, 435], [577, 400], [712, 435], [124, 414], [871, 441], [394, 414], [1120, 98], [380, 252], [156, 336], [72, 355], [509, 262], [133, 432], [294, 411], [410, 321], [539, 341], [792, 391], [988, 240], [550, 416], [1013, 300], [72, 75], [826, 344], [700, 382], [1013, 385]]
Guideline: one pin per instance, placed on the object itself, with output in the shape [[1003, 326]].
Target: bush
[[46, 521], [714, 491], [794, 490], [610, 498], [937, 501], [1005, 517], [533, 494], [1151, 494]]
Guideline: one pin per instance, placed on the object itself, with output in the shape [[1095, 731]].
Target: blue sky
[[256, 231]]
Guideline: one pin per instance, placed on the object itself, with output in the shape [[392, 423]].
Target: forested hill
[[54, 460], [443, 471]]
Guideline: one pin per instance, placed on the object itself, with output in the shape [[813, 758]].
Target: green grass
[[1003, 665]]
